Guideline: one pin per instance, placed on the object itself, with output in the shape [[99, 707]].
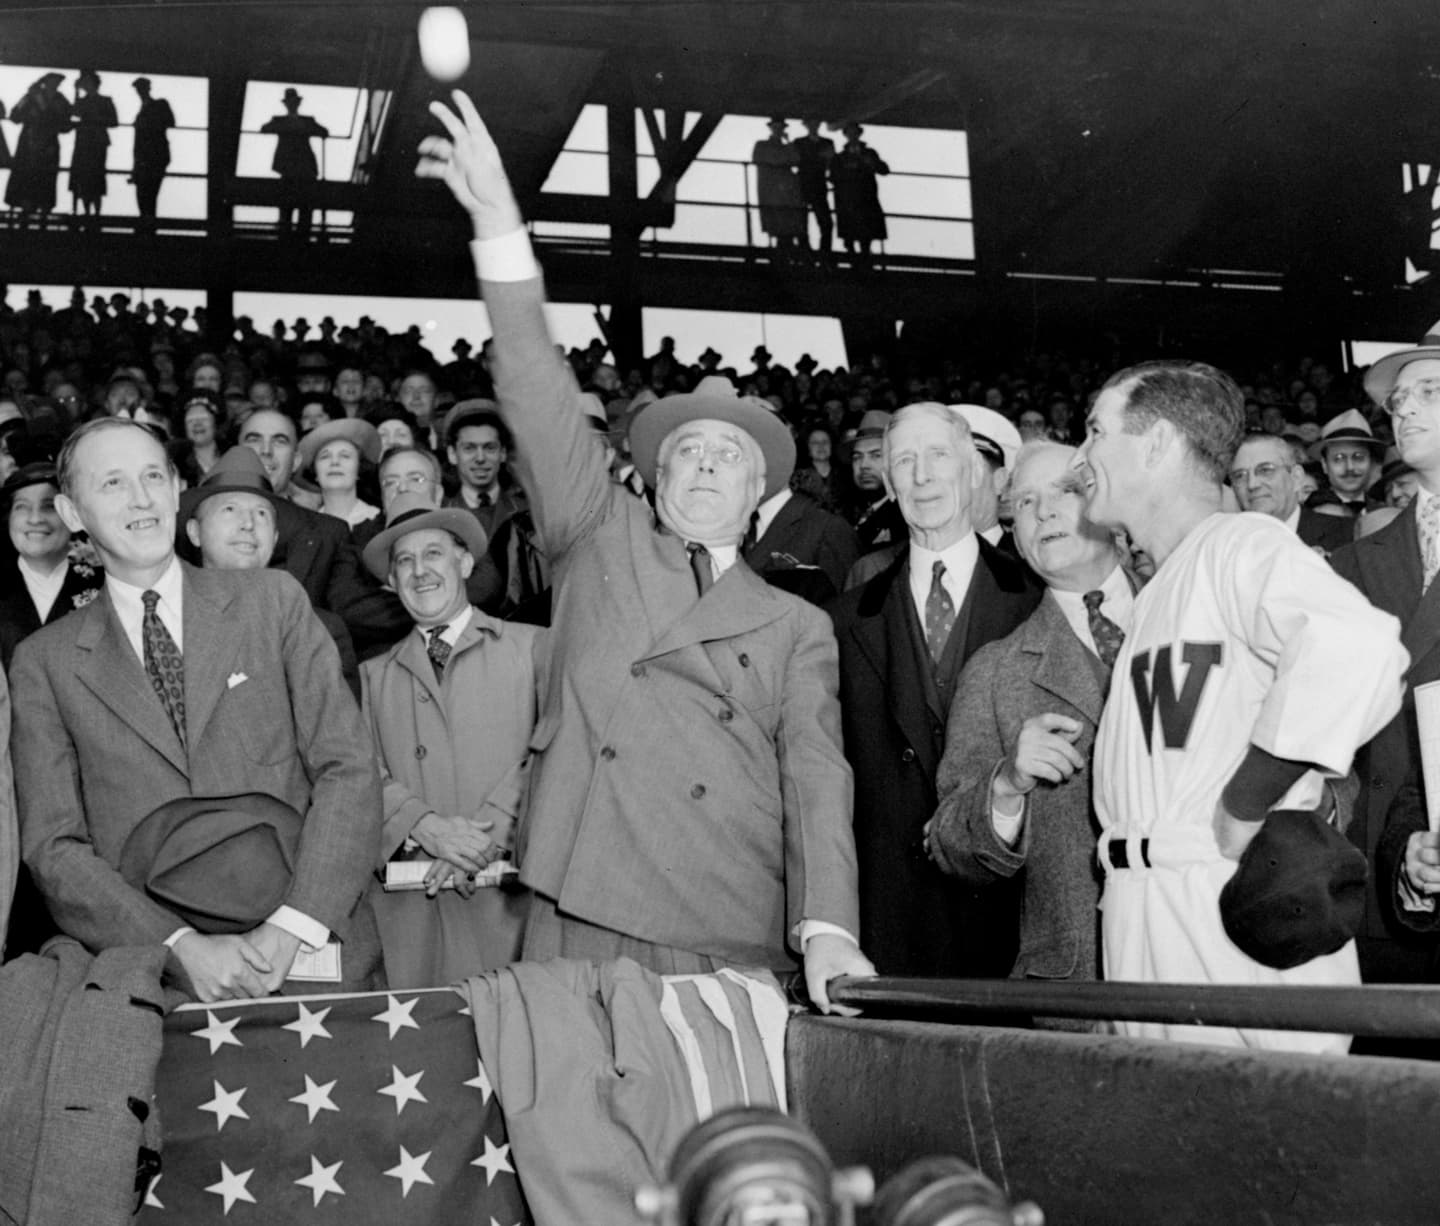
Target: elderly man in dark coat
[[1015, 779], [690, 803], [904, 637]]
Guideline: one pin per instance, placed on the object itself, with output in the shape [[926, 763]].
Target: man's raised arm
[[562, 470]]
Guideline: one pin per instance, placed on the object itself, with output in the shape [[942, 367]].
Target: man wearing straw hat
[[690, 802], [450, 709]]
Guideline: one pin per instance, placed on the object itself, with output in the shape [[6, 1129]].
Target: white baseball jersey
[[1245, 636]]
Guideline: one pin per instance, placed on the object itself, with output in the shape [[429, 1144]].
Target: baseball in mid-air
[[444, 43]]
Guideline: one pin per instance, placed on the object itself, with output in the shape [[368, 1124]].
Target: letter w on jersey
[[1155, 690]]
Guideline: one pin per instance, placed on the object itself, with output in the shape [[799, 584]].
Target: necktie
[[751, 536], [939, 614], [1107, 635], [1428, 518], [700, 565], [163, 664], [438, 650]]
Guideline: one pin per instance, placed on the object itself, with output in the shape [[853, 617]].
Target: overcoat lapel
[[1061, 667], [739, 603], [209, 653]]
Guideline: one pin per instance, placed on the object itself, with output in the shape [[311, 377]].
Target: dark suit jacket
[[1041, 667], [1330, 532], [317, 550], [688, 785], [913, 919], [265, 711], [18, 616], [1386, 567], [803, 535]]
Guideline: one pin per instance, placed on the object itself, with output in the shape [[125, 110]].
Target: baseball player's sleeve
[[1338, 661]]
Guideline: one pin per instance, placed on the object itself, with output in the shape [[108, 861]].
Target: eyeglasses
[[410, 481], [728, 454], [1424, 392], [1261, 472]]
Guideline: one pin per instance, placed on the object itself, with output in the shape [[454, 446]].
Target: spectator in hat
[[777, 190], [683, 823], [92, 115], [814, 155], [201, 422], [1352, 455], [1266, 475], [1395, 569], [904, 637], [1398, 484], [335, 455], [877, 519], [151, 158], [44, 583], [181, 684], [998, 443], [231, 518], [43, 114], [396, 426], [295, 163], [462, 685], [858, 216], [312, 373]]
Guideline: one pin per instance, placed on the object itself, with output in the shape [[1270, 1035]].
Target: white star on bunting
[[232, 1186], [151, 1199], [218, 1033], [494, 1160], [226, 1106], [481, 1082], [410, 1170], [309, 1026], [316, 1098], [397, 1016], [321, 1180], [404, 1088]]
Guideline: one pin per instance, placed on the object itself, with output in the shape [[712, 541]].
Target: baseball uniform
[[1245, 636]]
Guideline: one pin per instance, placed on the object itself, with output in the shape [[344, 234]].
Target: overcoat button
[[697, 792]]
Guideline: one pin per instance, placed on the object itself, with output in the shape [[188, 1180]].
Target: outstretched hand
[[468, 163]]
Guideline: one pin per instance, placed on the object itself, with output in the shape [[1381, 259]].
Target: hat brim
[[654, 423], [454, 520], [1377, 446], [358, 433], [190, 499], [1380, 378]]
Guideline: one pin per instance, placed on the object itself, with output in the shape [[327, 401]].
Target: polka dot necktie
[[1428, 518], [438, 650], [700, 565], [939, 614], [1107, 635], [163, 663]]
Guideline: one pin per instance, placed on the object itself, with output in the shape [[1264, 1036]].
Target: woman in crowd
[[93, 115], [334, 456], [200, 431], [397, 427], [43, 582]]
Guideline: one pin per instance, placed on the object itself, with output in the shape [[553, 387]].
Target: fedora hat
[[714, 399], [1298, 893], [414, 513], [468, 412], [354, 430], [873, 424], [1380, 378], [1349, 427], [222, 863], [994, 434], [238, 471]]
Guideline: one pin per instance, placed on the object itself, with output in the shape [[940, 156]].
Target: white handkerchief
[[235, 679]]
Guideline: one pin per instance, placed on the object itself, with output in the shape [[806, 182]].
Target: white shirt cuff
[[176, 935], [814, 928], [507, 258], [1007, 829], [311, 933]]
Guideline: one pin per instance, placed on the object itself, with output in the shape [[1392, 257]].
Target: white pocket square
[[235, 679]]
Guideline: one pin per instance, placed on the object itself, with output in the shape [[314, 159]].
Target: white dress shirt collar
[[44, 589], [453, 629], [766, 512], [960, 559], [1292, 521], [1118, 606], [126, 600]]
